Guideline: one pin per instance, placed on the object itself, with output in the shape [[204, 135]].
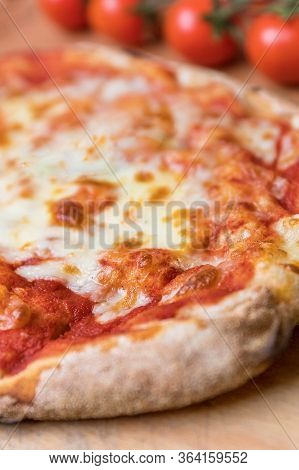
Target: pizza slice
[[149, 222]]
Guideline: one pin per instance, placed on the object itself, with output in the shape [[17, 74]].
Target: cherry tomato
[[272, 45], [187, 31], [123, 20], [68, 13]]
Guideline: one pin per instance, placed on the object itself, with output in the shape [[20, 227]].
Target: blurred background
[[51, 23]]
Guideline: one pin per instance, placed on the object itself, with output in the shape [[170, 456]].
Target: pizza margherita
[[149, 250]]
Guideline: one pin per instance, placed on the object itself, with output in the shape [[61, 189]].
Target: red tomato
[[272, 45], [68, 13], [187, 31], [121, 20]]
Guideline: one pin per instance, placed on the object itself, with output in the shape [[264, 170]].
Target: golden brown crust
[[173, 363]]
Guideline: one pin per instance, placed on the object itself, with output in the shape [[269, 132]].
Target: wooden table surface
[[261, 416]]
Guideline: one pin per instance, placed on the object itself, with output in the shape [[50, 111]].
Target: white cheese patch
[[288, 229], [259, 137], [117, 87], [77, 270], [107, 310], [186, 114]]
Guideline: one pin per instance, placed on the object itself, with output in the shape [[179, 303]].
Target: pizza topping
[[141, 270], [290, 197], [91, 197], [259, 137], [279, 187], [144, 176], [15, 313], [132, 201], [204, 278], [160, 193], [216, 99], [54, 309], [288, 153], [69, 213], [191, 281]]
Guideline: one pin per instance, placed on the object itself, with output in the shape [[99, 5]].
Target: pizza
[[149, 252]]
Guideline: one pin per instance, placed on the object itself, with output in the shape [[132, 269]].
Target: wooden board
[[263, 415]]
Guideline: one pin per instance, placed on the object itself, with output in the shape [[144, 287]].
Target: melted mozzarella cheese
[[288, 229], [118, 87], [47, 154], [42, 165], [259, 137]]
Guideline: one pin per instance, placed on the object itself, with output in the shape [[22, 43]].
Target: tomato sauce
[[59, 317], [54, 68], [291, 198]]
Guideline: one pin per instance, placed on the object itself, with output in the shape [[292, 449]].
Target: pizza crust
[[211, 351], [262, 102], [169, 364]]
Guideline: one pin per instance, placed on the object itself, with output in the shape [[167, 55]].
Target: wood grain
[[261, 416]]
